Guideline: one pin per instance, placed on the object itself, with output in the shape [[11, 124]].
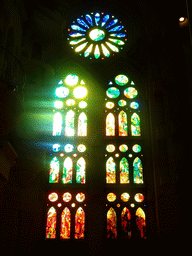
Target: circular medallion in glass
[[139, 197], [113, 92], [80, 197], [81, 148], [134, 105], [136, 148], [62, 92], [125, 197], [53, 197], [68, 148], [123, 148], [67, 197], [80, 92], [110, 148], [70, 102], [130, 92], [82, 104], [111, 197], [121, 80], [71, 80], [122, 103], [97, 34], [110, 105]]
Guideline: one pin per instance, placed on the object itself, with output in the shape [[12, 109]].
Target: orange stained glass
[[110, 125], [80, 224], [65, 224], [110, 171], [126, 223], [111, 224], [123, 124], [140, 222], [51, 223]]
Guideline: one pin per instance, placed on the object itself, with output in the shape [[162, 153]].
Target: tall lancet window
[[124, 160]]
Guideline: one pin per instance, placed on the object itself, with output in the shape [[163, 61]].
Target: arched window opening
[[81, 171], [67, 170], [110, 171], [51, 223], [69, 124], [110, 125], [80, 224], [65, 224], [137, 171], [125, 223], [57, 124], [54, 171], [123, 130], [124, 171], [82, 125], [135, 125], [111, 224], [140, 223]]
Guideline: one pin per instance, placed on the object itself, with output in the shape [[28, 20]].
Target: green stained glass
[[112, 47], [130, 92], [122, 103], [123, 148], [80, 174], [69, 124], [124, 171], [113, 92], [67, 170], [76, 41], [111, 224], [136, 148], [110, 171], [137, 171], [121, 79], [54, 171], [117, 41], [97, 34], [88, 51], [97, 52], [57, 124], [82, 125], [135, 125], [123, 124], [134, 105]]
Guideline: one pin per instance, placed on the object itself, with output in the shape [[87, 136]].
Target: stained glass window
[[65, 223], [82, 125], [54, 171], [57, 124], [69, 123], [122, 124], [141, 223], [110, 125], [135, 125], [111, 224], [137, 171], [124, 171], [97, 35], [110, 171], [80, 174], [126, 223], [67, 170], [51, 223], [80, 224]]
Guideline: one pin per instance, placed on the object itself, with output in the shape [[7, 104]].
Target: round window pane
[[125, 197], [67, 197], [53, 197], [111, 197], [130, 92], [113, 92]]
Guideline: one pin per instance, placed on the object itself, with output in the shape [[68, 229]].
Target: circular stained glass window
[[81, 148], [53, 197], [110, 105], [130, 92], [70, 102], [68, 148], [113, 92], [110, 148], [139, 197], [123, 148], [125, 197], [82, 104], [121, 80], [80, 92], [111, 197], [97, 35], [80, 197], [136, 148], [62, 92], [71, 80], [122, 103], [67, 197]]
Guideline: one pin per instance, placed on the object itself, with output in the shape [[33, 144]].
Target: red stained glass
[[51, 223], [111, 224], [126, 223], [80, 224], [65, 224], [140, 223]]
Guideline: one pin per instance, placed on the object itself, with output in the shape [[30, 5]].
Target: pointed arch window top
[[97, 35]]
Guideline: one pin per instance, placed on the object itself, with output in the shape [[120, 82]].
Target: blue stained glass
[[118, 35], [72, 34], [105, 19], [97, 19], [82, 22], [89, 19], [116, 28], [112, 23], [75, 27]]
